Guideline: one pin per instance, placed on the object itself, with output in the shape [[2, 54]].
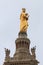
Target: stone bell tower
[[22, 55]]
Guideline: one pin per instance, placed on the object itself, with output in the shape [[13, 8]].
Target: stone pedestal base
[[22, 55]]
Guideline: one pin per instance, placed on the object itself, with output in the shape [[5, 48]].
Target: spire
[[22, 55]]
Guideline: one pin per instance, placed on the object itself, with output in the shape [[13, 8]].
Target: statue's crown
[[23, 9]]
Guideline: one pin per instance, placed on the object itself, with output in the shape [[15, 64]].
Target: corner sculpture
[[7, 54], [33, 52], [23, 20]]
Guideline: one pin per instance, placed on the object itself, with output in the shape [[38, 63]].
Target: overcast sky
[[9, 25]]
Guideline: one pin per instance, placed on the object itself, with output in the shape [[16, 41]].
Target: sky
[[9, 25]]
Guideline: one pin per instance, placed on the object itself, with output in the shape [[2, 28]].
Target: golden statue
[[23, 20]]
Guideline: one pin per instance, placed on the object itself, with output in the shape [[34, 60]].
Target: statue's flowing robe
[[23, 23]]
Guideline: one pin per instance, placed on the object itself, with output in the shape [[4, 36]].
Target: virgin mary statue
[[23, 20]]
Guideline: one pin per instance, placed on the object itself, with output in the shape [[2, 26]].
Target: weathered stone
[[22, 55]]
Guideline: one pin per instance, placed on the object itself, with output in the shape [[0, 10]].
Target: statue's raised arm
[[23, 20]]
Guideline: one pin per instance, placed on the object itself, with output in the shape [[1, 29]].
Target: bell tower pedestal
[[22, 55], [22, 47]]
